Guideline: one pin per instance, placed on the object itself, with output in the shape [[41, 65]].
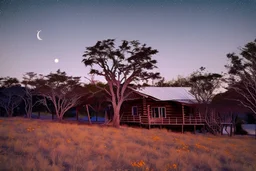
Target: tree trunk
[[116, 119], [30, 113], [106, 116], [60, 117], [30, 108], [9, 113], [88, 114]]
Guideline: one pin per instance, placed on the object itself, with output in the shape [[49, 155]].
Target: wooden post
[[221, 129], [199, 117], [195, 129], [169, 120], [148, 113], [176, 120], [183, 120], [182, 129], [255, 130], [144, 106], [231, 127], [106, 116], [140, 120]]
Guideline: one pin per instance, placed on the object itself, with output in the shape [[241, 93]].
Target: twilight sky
[[187, 33]]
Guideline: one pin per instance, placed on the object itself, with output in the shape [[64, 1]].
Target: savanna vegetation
[[30, 144], [44, 145]]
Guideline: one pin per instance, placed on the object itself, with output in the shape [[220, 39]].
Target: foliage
[[242, 75], [180, 81], [128, 63], [9, 82]]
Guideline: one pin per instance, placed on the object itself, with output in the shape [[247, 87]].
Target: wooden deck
[[187, 120]]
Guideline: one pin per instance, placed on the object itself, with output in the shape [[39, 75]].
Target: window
[[158, 112], [134, 110]]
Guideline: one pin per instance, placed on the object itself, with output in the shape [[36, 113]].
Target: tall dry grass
[[45, 145]]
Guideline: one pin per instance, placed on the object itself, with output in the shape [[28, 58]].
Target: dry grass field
[[45, 145]]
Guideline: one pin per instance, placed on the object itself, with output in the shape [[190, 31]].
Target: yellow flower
[[174, 166], [156, 138], [138, 164], [178, 150], [68, 140]]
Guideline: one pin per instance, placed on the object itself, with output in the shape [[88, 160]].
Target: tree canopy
[[180, 81], [203, 85], [9, 81]]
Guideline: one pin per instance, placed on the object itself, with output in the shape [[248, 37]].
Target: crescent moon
[[38, 36]]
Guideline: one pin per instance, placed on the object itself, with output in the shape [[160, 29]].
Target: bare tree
[[130, 62], [242, 75], [29, 92], [203, 86], [61, 90]]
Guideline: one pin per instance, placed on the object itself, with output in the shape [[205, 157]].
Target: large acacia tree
[[242, 75], [131, 62], [60, 90]]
